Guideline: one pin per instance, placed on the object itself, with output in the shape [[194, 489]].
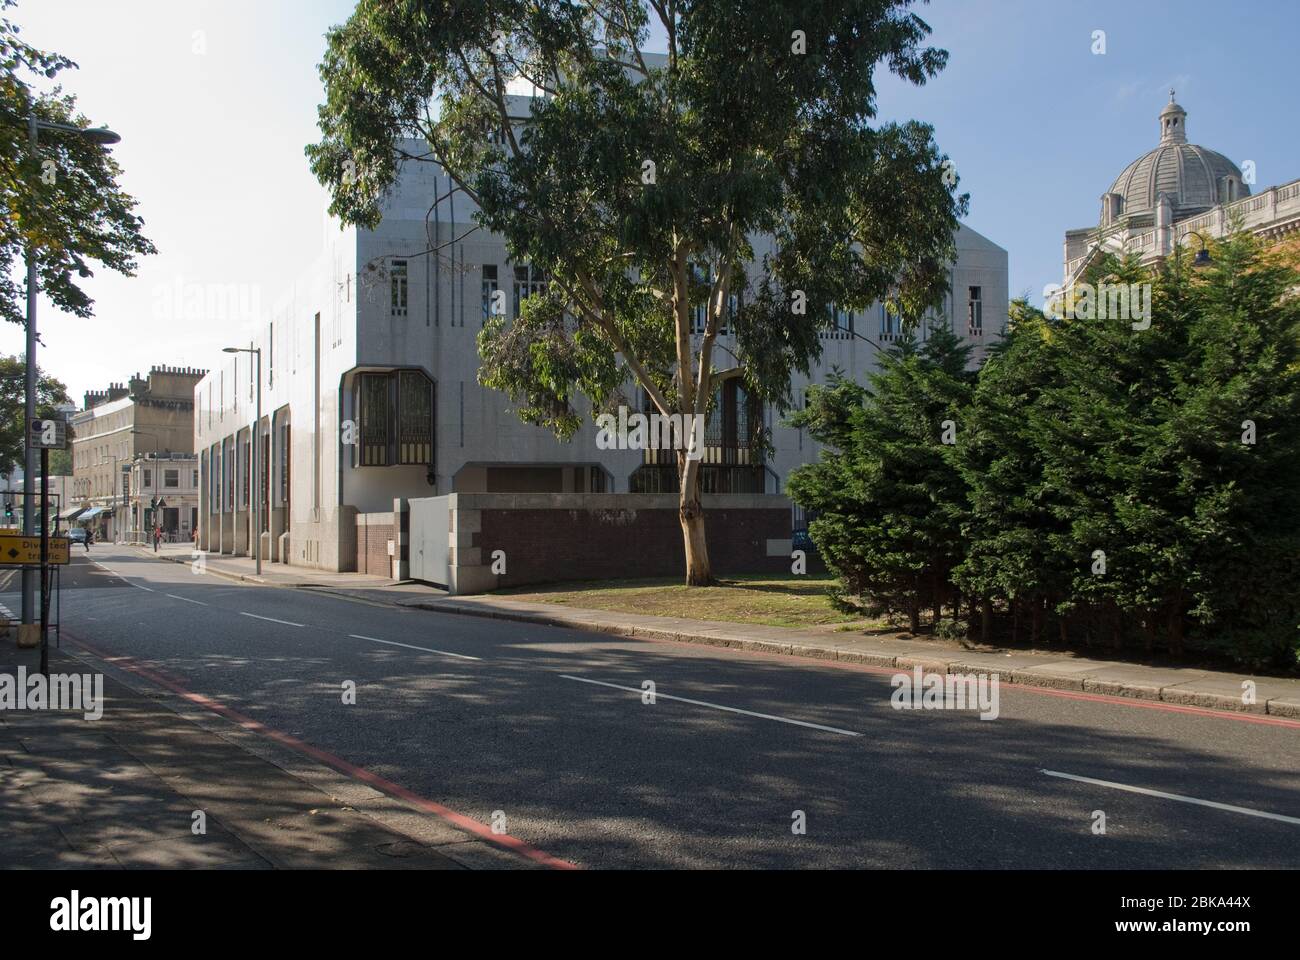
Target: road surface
[[544, 732]]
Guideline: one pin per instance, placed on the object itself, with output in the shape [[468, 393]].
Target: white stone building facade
[[369, 386]]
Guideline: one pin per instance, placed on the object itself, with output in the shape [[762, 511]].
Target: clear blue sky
[[1037, 124]]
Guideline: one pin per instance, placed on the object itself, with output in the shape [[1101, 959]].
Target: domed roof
[[1188, 173]]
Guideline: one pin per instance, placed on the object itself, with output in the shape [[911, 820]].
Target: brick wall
[[549, 545], [374, 530]]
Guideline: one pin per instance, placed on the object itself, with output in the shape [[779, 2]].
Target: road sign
[[26, 551], [47, 434]]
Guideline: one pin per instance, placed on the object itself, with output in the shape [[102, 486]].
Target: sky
[[215, 100]]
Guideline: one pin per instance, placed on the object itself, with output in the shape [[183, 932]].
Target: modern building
[[369, 393], [144, 418], [1175, 192]]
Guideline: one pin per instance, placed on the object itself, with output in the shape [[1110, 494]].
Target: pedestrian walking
[[157, 537], [90, 535]]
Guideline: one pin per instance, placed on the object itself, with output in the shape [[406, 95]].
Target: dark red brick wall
[[546, 546], [372, 548]]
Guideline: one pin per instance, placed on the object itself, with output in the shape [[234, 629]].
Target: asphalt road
[[547, 727]]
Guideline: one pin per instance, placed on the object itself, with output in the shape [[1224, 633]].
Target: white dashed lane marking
[[394, 643], [287, 623], [1172, 796], [717, 706]]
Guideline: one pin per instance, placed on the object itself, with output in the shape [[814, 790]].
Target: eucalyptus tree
[[738, 178]]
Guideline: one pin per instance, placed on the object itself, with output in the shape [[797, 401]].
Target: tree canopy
[[50, 393], [62, 204], [739, 176]]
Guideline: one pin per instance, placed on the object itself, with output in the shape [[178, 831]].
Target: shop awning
[[71, 513], [91, 514]]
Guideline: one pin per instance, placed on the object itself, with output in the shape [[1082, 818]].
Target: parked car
[[77, 534]]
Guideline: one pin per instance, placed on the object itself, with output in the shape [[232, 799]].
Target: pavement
[[159, 783], [559, 746], [1191, 686]]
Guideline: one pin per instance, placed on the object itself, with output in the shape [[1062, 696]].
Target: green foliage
[[769, 176], [13, 419], [888, 499], [1171, 450], [64, 203]]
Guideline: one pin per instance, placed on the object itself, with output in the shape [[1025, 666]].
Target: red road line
[[469, 824], [1265, 720]]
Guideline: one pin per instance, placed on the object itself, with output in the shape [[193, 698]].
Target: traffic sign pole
[[45, 561]]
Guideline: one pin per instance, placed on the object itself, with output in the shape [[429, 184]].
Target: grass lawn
[[774, 601]]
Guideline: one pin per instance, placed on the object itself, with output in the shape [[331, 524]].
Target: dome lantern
[[1173, 122]]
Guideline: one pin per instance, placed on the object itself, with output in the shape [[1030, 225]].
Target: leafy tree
[[1137, 484], [13, 418], [1021, 555], [740, 173], [64, 204], [889, 499], [1234, 436]]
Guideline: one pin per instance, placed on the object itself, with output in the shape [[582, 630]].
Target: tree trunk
[[691, 514], [986, 615], [1177, 628]]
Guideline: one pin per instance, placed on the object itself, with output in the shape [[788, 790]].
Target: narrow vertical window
[[399, 288], [975, 310], [489, 290]]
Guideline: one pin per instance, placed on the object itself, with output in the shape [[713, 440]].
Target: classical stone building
[[147, 417], [1175, 195]]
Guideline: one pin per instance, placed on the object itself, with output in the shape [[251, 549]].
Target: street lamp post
[[255, 438], [104, 137]]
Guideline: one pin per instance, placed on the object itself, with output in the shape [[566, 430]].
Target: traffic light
[[9, 508]]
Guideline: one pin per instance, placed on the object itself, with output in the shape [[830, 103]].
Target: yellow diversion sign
[[26, 551]]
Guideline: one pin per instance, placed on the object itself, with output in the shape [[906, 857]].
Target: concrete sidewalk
[[357, 585], [123, 791], [1189, 686]]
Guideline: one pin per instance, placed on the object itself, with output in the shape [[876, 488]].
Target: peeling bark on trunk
[[691, 514]]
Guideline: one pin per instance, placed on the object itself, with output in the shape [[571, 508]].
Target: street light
[[255, 437], [103, 137], [1202, 258]]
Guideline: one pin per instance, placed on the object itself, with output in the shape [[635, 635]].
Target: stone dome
[[1191, 175]]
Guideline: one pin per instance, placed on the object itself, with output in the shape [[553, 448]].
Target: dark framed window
[[171, 479], [414, 418], [374, 419], [284, 464], [399, 288], [394, 419], [975, 309], [490, 289], [528, 282], [842, 323], [890, 326], [703, 274]]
